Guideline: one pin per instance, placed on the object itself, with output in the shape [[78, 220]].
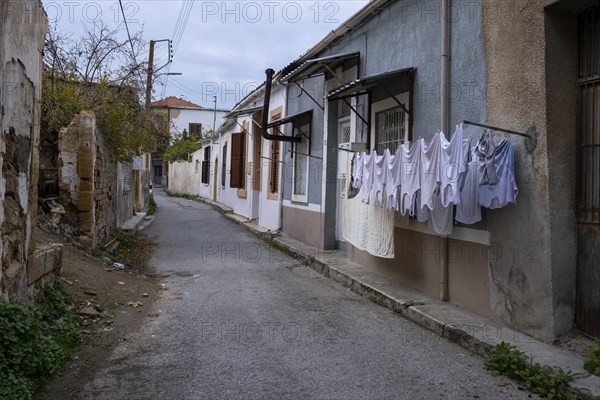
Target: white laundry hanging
[[426, 181], [367, 227]]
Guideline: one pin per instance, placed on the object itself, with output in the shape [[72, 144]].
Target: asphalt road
[[242, 321]]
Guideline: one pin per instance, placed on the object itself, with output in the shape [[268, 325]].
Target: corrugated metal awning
[[362, 85], [291, 118], [319, 65], [245, 111]]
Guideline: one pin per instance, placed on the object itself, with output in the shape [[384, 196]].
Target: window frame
[[274, 177], [384, 106], [297, 127], [205, 178], [197, 125]]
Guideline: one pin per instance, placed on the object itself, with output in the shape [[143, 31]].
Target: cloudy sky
[[226, 45]]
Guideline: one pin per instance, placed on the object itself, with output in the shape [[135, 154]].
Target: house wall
[[311, 211], [412, 29], [234, 198], [532, 56], [184, 177], [270, 206], [181, 118], [22, 33], [206, 189]]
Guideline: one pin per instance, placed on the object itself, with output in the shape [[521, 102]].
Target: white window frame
[[388, 105], [301, 198]]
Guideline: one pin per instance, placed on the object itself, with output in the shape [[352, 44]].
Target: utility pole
[[150, 73], [214, 134]]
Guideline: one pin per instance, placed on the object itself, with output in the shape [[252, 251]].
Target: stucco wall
[[270, 207], [531, 62], [184, 177], [227, 195], [22, 30], [206, 190], [181, 118]]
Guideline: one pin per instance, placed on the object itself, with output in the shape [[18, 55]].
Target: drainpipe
[[445, 80], [264, 130]]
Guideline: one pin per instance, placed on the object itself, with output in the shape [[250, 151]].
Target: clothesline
[[427, 180]]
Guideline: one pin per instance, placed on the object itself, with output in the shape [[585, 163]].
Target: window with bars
[[390, 129], [588, 173], [344, 110]]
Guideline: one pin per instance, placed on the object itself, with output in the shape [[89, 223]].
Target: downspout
[[265, 116], [444, 88]]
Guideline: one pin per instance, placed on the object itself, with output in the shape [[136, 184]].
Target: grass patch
[[283, 249], [36, 341], [152, 207], [592, 364], [507, 360]]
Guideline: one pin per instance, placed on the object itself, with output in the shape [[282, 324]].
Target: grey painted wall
[[408, 34], [298, 102]]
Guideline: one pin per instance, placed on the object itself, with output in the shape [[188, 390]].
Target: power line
[[182, 20], [127, 28]]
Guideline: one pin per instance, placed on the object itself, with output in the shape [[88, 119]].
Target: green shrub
[[152, 207], [592, 364], [35, 341], [539, 379]]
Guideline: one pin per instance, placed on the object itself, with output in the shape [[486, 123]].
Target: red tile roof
[[175, 102]]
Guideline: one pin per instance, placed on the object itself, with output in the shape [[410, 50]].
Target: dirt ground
[[121, 299]]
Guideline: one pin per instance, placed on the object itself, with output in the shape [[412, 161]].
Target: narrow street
[[240, 321]]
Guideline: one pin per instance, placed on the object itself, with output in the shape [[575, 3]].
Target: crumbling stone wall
[[94, 188], [22, 28]]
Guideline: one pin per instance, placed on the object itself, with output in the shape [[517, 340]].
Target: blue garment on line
[[505, 190]]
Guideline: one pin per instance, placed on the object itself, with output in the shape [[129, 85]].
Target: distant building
[[183, 115]]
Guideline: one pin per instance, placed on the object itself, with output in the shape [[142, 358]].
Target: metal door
[[588, 174]]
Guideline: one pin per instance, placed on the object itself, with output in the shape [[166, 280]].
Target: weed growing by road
[[36, 341], [152, 207], [592, 364], [507, 360]]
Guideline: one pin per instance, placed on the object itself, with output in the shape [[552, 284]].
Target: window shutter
[[274, 178], [235, 160], [242, 177], [224, 166], [205, 165]]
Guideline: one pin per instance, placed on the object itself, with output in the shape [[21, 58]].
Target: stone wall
[[22, 30], [95, 189]]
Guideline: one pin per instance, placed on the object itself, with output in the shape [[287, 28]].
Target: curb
[[132, 225], [474, 333]]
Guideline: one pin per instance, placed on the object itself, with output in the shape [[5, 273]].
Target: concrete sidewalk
[[471, 331]]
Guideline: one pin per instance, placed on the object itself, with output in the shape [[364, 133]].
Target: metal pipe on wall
[[444, 87]]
